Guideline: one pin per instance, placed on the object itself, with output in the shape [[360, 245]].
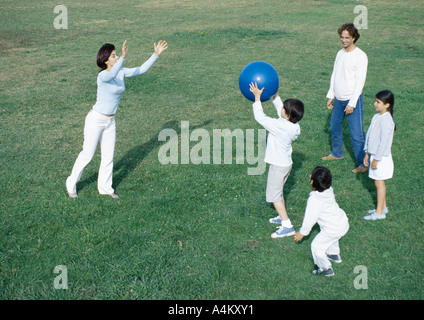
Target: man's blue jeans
[[356, 128]]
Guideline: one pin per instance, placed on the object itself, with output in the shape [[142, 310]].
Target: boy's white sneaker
[[283, 232], [276, 220]]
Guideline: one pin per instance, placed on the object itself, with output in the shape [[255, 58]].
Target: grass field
[[198, 231]]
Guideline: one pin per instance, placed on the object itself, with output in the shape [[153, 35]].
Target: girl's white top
[[323, 209], [378, 141], [280, 137], [110, 84]]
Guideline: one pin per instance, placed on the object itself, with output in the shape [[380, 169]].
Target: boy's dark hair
[[321, 178], [294, 109], [103, 55], [350, 27]]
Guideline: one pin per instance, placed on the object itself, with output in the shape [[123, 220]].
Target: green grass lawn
[[198, 231]]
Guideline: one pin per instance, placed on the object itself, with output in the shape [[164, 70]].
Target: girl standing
[[377, 148], [100, 121]]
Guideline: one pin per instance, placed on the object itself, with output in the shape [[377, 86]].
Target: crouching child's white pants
[[324, 244]]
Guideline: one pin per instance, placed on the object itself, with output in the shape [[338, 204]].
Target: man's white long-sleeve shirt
[[348, 77]]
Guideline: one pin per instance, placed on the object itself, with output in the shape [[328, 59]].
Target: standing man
[[345, 96]]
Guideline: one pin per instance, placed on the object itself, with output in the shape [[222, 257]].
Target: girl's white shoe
[[375, 216]]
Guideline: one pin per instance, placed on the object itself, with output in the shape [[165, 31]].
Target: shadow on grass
[[298, 159], [368, 185], [135, 156]]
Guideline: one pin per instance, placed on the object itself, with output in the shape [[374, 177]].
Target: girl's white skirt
[[385, 168]]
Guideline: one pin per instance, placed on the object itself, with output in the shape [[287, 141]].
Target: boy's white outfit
[[323, 209], [281, 134]]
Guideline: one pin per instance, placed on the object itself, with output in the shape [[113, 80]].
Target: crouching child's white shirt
[[323, 209]]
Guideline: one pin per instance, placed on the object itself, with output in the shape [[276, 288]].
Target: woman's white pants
[[98, 127]]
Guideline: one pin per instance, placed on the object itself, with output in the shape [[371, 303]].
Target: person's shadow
[[298, 159], [368, 185], [136, 155]]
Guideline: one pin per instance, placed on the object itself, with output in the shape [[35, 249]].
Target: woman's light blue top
[[110, 84]]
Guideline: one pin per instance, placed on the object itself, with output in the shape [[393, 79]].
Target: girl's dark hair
[[350, 27], [386, 96], [321, 178], [103, 55], [294, 109]]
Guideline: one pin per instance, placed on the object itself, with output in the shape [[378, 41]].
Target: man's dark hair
[[350, 27]]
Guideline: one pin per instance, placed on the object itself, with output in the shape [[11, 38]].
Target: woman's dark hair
[[386, 96], [103, 55], [294, 109], [350, 27], [321, 178]]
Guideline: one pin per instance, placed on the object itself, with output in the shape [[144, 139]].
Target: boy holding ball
[[281, 133]]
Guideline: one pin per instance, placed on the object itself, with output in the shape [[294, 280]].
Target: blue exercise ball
[[264, 75]]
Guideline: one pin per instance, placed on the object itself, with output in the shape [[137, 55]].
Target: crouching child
[[323, 209]]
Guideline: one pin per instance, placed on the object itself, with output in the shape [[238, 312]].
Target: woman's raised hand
[[124, 50], [160, 47]]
